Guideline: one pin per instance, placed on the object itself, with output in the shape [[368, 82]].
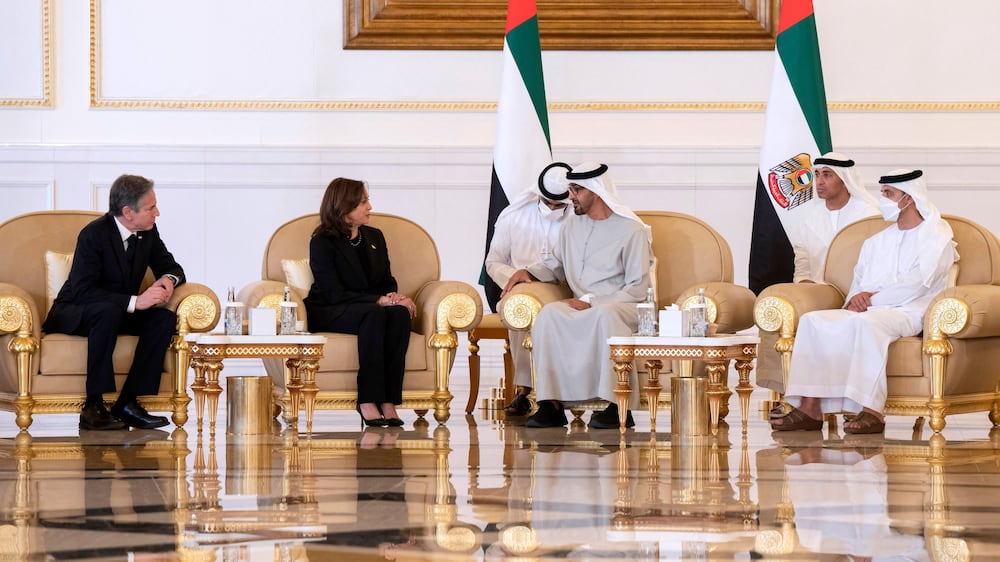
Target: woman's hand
[[396, 299]]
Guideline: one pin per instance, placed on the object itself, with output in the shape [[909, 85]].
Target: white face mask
[[890, 209]]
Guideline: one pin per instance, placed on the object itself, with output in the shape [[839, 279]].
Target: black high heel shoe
[[391, 422], [377, 422]]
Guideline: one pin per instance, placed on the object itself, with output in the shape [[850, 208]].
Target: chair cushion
[[298, 275], [67, 355], [57, 266]]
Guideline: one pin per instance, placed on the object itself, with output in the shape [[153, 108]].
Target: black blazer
[[101, 273], [339, 279]]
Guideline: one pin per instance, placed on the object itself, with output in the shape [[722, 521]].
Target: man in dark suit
[[102, 299]]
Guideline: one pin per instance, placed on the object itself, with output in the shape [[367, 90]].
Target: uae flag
[[522, 147], [796, 130]]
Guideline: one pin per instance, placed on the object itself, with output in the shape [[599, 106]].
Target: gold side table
[[715, 351], [300, 352]]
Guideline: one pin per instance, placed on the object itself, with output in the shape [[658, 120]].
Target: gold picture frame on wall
[[588, 25]]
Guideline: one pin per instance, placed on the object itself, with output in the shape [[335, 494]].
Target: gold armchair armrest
[[963, 312], [197, 308], [444, 307], [18, 313], [779, 307], [730, 306], [447, 306], [521, 305]]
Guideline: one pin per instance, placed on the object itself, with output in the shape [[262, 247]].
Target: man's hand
[[576, 304], [154, 295], [860, 302], [520, 276], [167, 284]]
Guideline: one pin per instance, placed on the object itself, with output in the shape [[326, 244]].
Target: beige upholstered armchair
[[689, 254], [443, 308], [46, 373], [949, 369]]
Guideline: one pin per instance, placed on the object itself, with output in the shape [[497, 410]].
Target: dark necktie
[[130, 250]]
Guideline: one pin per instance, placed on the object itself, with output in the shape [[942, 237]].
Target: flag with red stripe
[[522, 146], [796, 130]]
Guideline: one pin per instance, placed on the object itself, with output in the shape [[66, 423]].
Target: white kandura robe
[[840, 355], [523, 238], [847, 514], [811, 239], [608, 259]]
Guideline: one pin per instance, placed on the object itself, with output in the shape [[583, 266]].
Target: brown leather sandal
[[796, 420], [519, 406], [866, 424]]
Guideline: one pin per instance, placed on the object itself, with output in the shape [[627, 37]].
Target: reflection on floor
[[478, 488]]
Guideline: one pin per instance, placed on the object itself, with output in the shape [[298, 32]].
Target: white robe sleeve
[[905, 293], [550, 270], [498, 259]]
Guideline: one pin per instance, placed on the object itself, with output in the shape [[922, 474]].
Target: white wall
[[428, 155]]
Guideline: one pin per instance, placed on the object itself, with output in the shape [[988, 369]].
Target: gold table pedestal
[[300, 352], [716, 351]]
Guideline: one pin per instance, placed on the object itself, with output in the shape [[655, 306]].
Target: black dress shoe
[[550, 414], [95, 415], [135, 415], [608, 418]]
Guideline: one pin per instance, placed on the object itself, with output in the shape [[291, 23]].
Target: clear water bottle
[[646, 312], [234, 315], [699, 322], [288, 314]]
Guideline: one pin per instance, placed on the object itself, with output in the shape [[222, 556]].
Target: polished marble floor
[[479, 488]]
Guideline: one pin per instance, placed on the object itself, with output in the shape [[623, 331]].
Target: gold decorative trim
[[46, 99], [15, 315], [200, 312], [95, 55], [487, 106], [519, 311], [773, 313], [948, 317], [456, 311]]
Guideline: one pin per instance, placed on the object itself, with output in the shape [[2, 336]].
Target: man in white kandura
[[526, 232], [604, 254], [838, 363], [841, 198]]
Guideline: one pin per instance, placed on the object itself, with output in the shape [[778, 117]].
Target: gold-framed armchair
[[443, 309], [688, 254], [948, 369], [47, 373]]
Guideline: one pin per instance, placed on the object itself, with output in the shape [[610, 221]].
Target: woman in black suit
[[354, 292]]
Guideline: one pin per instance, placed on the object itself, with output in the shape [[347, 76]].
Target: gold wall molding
[[46, 99], [581, 25], [97, 100], [557, 106]]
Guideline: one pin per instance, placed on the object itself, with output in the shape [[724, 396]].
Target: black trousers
[[383, 337], [101, 324]]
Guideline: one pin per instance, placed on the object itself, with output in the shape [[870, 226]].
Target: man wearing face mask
[[840, 355], [526, 234]]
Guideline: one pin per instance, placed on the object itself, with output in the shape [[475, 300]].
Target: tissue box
[[263, 322], [675, 322]]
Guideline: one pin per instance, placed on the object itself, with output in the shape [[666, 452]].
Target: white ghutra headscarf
[[932, 236]]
